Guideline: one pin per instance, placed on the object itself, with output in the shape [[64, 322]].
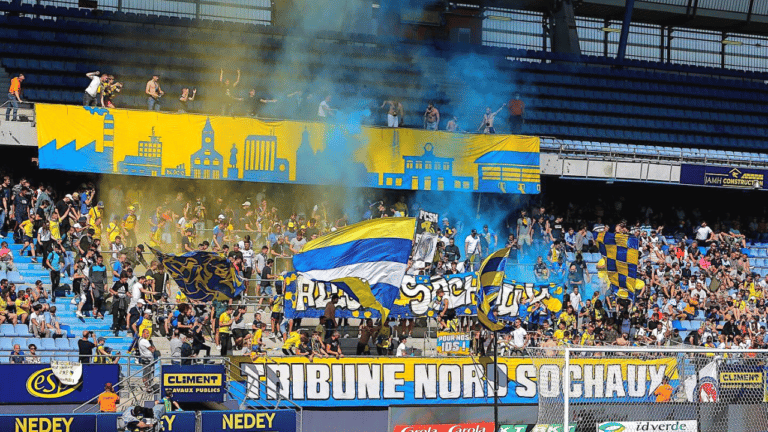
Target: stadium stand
[[583, 98]]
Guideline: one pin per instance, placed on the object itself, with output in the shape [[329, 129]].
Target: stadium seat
[[22, 330], [6, 344], [7, 330], [48, 344], [62, 344]]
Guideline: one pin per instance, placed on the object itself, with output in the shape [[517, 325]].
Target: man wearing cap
[[136, 256], [129, 226], [154, 93], [66, 212]]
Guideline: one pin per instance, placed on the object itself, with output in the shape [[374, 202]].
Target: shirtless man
[[487, 124], [431, 117], [154, 92], [452, 125], [395, 113], [366, 331]]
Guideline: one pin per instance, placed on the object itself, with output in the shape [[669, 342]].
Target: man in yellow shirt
[[129, 227], [53, 225], [559, 334], [225, 322], [113, 229], [292, 341], [95, 218], [588, 335], [146, 323], [28, 229]]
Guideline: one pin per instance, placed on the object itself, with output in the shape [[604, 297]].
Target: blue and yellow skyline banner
[[305, 298], [145, 143], [388, 381]]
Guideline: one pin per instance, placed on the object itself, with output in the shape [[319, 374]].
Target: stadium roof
[[741, 16]]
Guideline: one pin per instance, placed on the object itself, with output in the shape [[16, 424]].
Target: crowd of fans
[[103, 89], [690, 272]]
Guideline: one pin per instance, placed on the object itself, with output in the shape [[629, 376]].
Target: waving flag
[[366, 260], [202, 275], [490, 279], [621, 253]]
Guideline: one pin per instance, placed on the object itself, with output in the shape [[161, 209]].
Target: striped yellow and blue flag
[[490, 279], [366, 260], [622, 254], [202, 275]]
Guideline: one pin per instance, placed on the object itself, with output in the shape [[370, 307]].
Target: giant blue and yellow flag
[[202, 275], [490, 279], [621, 253], [366, 260]]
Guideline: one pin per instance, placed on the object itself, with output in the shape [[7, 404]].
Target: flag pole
[[495, 382]]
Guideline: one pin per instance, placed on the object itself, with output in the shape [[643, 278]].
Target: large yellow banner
[[145, 143]]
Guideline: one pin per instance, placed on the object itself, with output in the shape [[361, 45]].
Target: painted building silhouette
[[260, 161], [207, 163], [149, 160], [428, 172]]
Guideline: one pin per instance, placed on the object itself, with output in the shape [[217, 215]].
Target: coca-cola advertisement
[[452, 427]]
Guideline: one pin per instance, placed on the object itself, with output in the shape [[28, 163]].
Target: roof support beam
[[630, 5]]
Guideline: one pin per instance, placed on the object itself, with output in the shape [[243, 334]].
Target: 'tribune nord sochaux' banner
[[388, 381], [146, 143]]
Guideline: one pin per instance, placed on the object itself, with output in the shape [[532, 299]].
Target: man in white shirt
[[37, 325], [94, 93], [703, 233], [519, 338], [325, 110], [576, 302], [699, 293], [146, 357], [401, 348], [248, 258], [260, 260], [472, 249], [137, 290], [657, 334]]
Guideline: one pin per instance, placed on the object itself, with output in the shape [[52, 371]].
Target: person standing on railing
[[108, 400], [14, 97], [431, 117], [228, 93]]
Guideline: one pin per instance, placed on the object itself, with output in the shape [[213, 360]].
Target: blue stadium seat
[[62, 344], [7, 330], [48, 344], [22, 330]]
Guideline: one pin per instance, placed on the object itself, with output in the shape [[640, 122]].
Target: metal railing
[[242, 11], [133, 389]]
